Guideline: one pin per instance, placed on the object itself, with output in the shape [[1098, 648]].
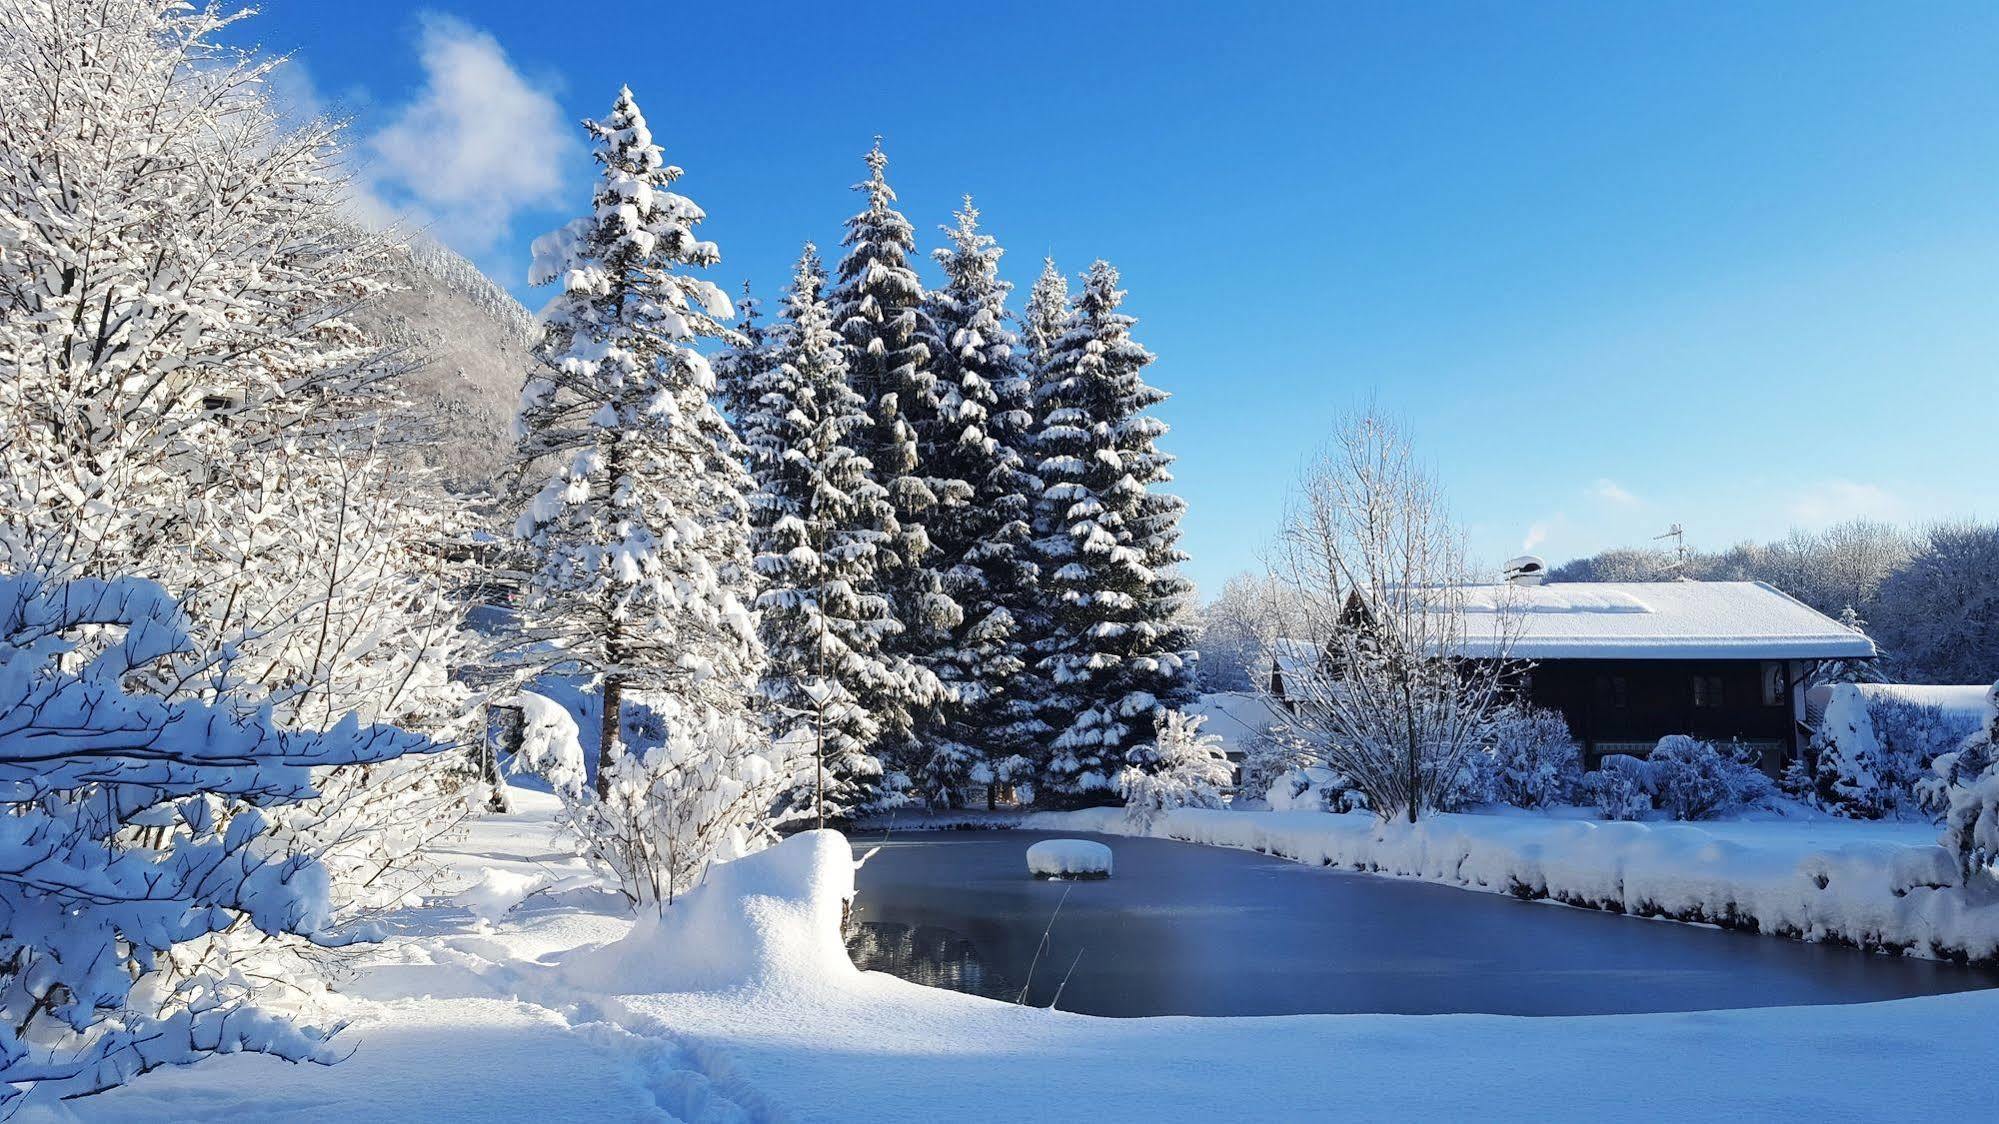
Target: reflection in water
[[925, 954]]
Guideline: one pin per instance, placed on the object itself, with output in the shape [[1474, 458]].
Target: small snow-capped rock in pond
[[1069, 858]]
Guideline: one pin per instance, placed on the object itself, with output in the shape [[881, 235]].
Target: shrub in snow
[[1620, 787], [551, 745], [1069, 858], [1314, 789], [682, 793], [1534, 760], [1970, 797], [134, 832], [1695, 780], [1872, 751], [1271, 754], [1188, 769]]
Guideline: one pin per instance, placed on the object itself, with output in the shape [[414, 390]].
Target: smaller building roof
[[1675, 620]]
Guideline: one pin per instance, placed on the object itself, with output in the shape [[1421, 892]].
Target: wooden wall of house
[[1640, 701]]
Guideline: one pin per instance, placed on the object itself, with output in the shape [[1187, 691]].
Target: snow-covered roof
[[1293, 656], [1653, 621]]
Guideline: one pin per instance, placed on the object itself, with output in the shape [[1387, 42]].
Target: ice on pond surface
[[1069, 858], [1192, 930]]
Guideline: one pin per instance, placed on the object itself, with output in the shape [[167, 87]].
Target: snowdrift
[[769, 919], [1769, 878]]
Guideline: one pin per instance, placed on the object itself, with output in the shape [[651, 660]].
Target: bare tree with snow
[[1383, 597]]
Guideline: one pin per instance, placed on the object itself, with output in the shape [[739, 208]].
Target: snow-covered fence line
[[1778, 878]]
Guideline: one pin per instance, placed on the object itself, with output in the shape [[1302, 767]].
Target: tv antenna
[[1678, 534]]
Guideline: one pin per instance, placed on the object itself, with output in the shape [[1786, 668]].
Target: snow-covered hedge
[[1775, 877]]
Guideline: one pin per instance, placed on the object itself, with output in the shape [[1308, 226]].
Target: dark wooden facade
[[1626, 706]]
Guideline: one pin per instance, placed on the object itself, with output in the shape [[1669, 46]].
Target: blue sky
[[1733, 266]]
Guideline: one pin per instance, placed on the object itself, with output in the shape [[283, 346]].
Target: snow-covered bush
[[1684, 777], [682, 793], [1314, 789], [1620, 787], [1694, 780], [135, 830], [551, 744], [1970, 796], [1188, 769], [1872, 751], [1534, 759], [1270, 754]]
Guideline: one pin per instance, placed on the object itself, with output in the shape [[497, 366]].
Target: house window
[[1707, 692], [1611, 693], [1773, 683]]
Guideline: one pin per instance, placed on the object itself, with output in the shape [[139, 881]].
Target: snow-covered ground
[[1875, 885], [741, 1005]]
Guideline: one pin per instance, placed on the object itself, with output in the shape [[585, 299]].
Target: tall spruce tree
[[821, 527], [1117, 649], [637, 542], [878, 307], [740, 368], [1043, 323], [984, 548]]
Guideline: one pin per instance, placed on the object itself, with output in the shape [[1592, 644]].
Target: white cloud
[[1610, 491], [1832, 501], [476, 145]]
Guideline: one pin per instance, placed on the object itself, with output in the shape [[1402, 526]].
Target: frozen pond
[[1190, 930]]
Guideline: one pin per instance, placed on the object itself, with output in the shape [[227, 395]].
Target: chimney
[[1525, 570]]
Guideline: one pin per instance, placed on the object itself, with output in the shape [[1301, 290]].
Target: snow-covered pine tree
[[820, 526], [984, 547], [637, 542], [1117, 649], [1047, 316], [1043, 323], [878, 307], [740, 368]]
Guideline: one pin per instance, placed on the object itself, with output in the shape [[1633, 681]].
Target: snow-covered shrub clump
[[1620, 787], [551, 745], [1535, 759], [1271, 754], [1873, 751], [1069, 858], [133, 831], [1696, 780], [1970, 796], [1311, 788], [1188, 770], [1684, 777]]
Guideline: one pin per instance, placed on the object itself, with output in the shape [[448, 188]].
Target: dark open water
[[1191, 930]]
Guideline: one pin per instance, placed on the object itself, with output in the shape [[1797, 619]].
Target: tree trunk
[[614, 692]]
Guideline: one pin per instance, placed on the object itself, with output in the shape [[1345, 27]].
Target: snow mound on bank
[[1058, 858], [768, 919]]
